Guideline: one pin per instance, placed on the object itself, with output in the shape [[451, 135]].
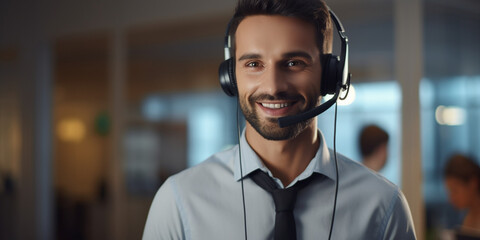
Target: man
[[373, 144], [278, 50]]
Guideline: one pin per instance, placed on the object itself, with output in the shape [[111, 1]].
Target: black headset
[[335, 69]]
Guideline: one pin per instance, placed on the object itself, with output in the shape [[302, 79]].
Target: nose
[[274, 81]]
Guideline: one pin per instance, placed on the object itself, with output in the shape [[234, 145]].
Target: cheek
[[459, 197], [313, 82], [307, 85], [313, 92], [244, 87]]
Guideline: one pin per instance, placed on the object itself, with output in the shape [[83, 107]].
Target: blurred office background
[[101, 101]]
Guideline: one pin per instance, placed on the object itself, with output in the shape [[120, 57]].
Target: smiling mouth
[[275, 105]]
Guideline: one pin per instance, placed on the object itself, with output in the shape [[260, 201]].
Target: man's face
[[278, 72]]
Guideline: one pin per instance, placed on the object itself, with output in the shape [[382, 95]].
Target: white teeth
[[275, 105]]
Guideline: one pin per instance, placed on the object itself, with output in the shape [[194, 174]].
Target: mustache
[[280, 96]]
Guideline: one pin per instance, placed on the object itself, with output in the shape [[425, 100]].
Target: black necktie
[[284, 200]]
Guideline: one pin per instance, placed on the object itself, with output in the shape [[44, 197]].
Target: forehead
[[273, 33]]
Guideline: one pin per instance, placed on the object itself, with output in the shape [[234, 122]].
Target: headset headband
[[344, 50]]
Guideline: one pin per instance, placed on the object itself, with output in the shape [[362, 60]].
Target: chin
[[270, 130]]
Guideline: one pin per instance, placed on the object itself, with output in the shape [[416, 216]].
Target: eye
[[294, 63], [252, 64]]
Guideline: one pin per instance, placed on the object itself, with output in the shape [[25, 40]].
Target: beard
[[269, 128]]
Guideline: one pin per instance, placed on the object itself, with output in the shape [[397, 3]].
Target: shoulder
[[382, 201], [366, 188], [214, 168], [179, 193], [356, 175], [204, 175], [163, 220], [206, 178]]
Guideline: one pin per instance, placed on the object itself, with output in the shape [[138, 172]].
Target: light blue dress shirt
[[205, 201]]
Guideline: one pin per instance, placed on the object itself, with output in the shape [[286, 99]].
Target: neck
[[286, 159], [372, 163], [376, 160]]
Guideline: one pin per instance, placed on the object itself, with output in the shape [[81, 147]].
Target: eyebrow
[[249, 56], [298, 54]]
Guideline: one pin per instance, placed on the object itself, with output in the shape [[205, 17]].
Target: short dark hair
[[370, 138], [462, 167], [315, 12]]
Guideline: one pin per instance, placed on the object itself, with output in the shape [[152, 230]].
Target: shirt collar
[[323, 162]]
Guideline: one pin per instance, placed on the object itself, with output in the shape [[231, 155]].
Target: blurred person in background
[[462, 179], [373, 145]]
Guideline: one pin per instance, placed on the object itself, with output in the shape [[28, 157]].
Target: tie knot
[[284, 199]]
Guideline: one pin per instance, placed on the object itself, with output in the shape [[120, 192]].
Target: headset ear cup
[[330, 74], [226, 75]]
